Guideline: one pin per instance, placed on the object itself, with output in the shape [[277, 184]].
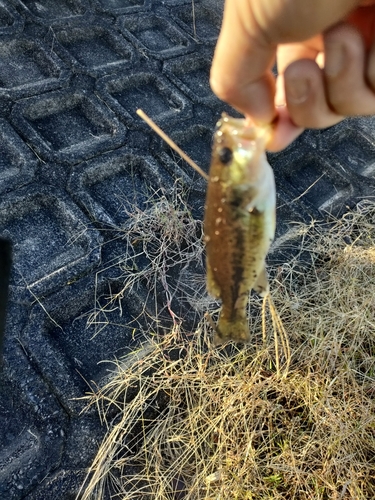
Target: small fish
[[239, 223]]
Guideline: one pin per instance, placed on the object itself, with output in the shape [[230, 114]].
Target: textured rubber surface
[[74, 159]]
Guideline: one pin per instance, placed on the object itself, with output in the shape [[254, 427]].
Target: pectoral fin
[[261, 285]]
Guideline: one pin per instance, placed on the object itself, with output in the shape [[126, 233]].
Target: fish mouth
[[240, 130]]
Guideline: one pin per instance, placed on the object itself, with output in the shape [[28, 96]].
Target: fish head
[[237, 148]]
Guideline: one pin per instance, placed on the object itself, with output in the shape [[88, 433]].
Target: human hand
[[325, 52]]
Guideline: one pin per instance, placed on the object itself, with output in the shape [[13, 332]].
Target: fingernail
[[297, 90], [334, 58]]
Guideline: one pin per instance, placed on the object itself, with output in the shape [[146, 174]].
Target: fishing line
[[171, 143]]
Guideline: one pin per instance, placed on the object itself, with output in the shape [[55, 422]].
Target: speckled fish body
[[239, 223]]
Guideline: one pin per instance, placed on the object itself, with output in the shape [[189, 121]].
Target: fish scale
[[239, 222]]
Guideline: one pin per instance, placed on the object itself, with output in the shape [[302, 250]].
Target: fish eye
[[225, 155]]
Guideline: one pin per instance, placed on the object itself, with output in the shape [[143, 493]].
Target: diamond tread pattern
[[73, 154]]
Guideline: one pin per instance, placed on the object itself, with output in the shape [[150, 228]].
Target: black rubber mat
[[75, 159]]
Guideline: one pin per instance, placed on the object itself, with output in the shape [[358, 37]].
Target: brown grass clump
[[188, 421]]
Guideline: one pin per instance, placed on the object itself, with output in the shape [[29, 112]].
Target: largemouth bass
[[239, 222]]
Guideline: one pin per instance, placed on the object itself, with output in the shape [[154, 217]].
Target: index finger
[[241, 71]]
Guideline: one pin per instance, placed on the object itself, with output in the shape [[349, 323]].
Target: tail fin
[[236, 330]]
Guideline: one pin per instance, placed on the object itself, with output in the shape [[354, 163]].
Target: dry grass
[[162, 245], [188, 421]]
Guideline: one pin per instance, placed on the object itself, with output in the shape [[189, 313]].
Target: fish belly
[[235, 264]]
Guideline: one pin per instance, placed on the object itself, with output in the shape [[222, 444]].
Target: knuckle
[[339, 103], [224, 88], [314, 119], [370, 70], [370, 76], [306, 121], [361, 101]]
